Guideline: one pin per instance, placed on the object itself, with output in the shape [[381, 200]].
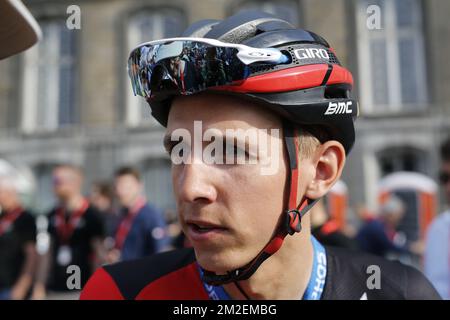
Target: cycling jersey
[[175, 275]]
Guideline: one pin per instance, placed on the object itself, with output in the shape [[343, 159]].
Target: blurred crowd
[[380, 232], [114, 222]]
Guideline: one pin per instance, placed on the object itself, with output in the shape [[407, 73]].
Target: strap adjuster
[[293, 221]]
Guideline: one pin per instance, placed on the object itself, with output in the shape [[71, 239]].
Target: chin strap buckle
[[293, 221], [293, 217]]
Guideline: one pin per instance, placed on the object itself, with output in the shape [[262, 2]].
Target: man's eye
[[229, 149], [234, 152]]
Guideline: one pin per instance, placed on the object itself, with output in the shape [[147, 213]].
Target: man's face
[[7, 195], [394, 218], [127, 188], [229, 212], [66, 182]]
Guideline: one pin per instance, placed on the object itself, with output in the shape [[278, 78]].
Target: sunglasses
[[201, 63]]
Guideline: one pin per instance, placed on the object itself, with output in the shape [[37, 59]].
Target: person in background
[[364, 214], [18, 256], [18, 32], [377, 235], [142, 229], [76, 232], [437, 243], [101, 197], [326, 229]]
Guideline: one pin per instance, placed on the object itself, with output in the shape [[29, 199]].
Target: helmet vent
[[262, 68], [293, 57], [333, 58]]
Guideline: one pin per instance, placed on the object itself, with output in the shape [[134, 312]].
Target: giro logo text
[[339, 108], [311, 53]]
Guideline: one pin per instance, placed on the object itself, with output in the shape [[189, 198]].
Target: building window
[[148, 25], [401, 159], [48, 88], [44, 199], [391, 59], [287, 10], [157, 179]]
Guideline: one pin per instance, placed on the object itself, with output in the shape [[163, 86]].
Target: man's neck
[[73, 203], [285, 275]]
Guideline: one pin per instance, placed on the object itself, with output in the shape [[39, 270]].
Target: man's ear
[[328, 161]]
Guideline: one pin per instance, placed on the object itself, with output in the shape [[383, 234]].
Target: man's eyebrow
[[238, 142]]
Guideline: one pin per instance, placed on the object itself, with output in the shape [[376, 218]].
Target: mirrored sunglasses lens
[[186, 67]]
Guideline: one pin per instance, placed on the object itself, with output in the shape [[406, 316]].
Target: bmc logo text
[[339, 108], [311, 53]]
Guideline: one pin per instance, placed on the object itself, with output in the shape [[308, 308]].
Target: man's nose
[[196, 184]]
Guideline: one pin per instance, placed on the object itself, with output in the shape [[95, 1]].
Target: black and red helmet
[[262, 58], [311, 89]]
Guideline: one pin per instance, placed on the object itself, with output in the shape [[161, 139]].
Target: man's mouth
[[204, 226], [201, 230]]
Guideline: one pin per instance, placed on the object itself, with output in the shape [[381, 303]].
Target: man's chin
[[218, 262]]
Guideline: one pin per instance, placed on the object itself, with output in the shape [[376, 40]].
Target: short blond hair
[[309, 139]]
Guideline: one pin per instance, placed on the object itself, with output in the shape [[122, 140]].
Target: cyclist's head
[[251, 71], [392, 210]]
